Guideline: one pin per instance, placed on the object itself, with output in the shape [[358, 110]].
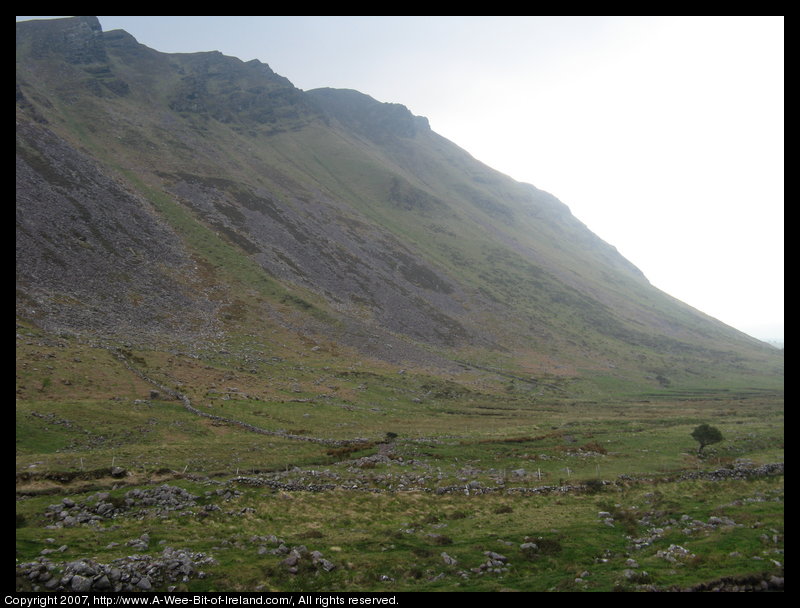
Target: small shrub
[[312, 534], [546, 546], [530, 550], [296, 301], [594, 446], [549, 546], [21, 520], [593, 486], [627, 518], [441, 539], [415, 573], [118, 502]]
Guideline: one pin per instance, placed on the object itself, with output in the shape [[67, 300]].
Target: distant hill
[[196, 198]]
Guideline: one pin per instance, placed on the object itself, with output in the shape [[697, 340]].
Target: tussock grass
[[387, 522]]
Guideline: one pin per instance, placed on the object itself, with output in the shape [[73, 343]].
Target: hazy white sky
[[664, 135]]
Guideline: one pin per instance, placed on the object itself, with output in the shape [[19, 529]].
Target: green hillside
[[310, 298], [348, 207]]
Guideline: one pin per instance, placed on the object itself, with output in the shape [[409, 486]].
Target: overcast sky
[[664, 135]]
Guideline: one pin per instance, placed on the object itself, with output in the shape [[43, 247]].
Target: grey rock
[[144, 584], [495, 556], [292, 560], [52, 583], [80, 584]]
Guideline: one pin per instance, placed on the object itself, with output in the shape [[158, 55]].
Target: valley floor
[[140, 471]]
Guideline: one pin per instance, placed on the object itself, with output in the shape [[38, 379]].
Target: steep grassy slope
[[251, 206]]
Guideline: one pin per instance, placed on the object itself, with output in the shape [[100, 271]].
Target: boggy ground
[[380, 479]]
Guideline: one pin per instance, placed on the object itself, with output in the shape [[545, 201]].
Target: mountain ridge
[[200, 195]]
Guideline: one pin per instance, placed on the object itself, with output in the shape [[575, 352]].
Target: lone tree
[[706, 435]]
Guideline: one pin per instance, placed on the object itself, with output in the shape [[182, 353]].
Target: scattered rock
[[140, 543], [739, 470], [675, 554], [158, 501], [132, 573], [496, 563], [299, 557], [450, 561]]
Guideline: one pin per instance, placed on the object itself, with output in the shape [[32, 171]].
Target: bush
[[593, 486], [544, 546], [312, 534], [594, 446], [549, 546], [627, 518], [706, 435], [118, 502], [440, 539]]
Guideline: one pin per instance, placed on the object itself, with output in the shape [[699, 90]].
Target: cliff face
[[198, 197]]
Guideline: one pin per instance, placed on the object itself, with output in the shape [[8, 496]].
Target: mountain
[[200, 201]]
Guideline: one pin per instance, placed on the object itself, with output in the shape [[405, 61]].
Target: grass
[[567, 390], [395, 541], [439, 474]]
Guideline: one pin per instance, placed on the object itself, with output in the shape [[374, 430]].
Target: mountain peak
[[78, 39], [368, 116], [200, 196]]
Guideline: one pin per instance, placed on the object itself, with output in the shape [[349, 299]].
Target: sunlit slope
[[259, 207]]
